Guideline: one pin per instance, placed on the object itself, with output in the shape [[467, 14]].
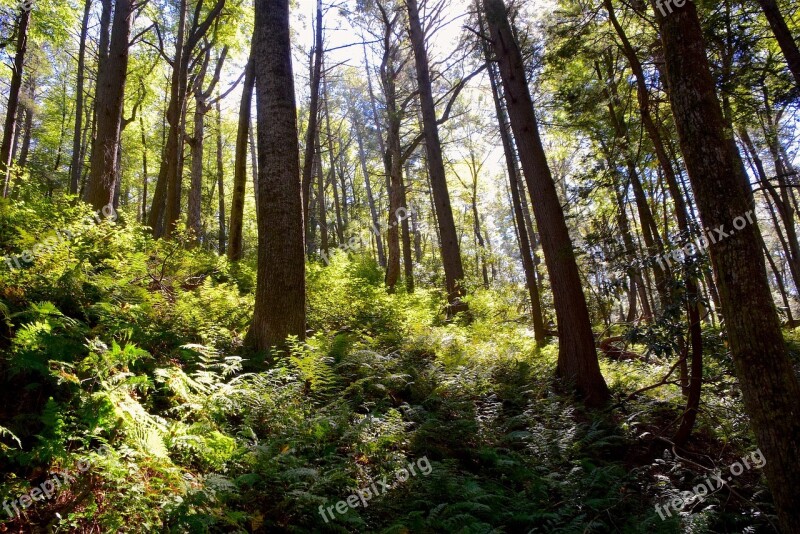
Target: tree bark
[[77, 161], [451, 251], [240, 165], [13, 99], [220, 180], [313, 112], [769, 386], [783, 36], [362, 156], [281, 292], [577, 357], [109, 101]]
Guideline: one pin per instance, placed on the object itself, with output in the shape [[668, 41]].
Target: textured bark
[[13, 100], [109, 102], [783, 36], [451, 252], [577, 357], [240, 165], [77, 161], [280, 292], [769, 386]]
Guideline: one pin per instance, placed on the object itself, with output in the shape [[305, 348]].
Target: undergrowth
[[115, 341]]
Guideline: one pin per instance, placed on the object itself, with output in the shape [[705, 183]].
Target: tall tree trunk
[[451, 252], [281, 292], [769, 386], [392, 158], [168, 170], [240, 165], [109, 103], [577, 357], [783, 36], [220, 179], [13, 99], [144, 171], [362, 156], [408, 258], [323, 220], [313, 112], [526, 252], [77, 162]]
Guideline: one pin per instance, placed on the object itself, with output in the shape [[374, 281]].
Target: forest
[[400, 266]]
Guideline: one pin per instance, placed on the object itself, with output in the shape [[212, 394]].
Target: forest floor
[[128, 404]]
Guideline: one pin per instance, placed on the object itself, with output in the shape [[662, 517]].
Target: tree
[[451, 251], [783, 36], [77, 160], [10, 128], [577, 356], [111, 78], [240, 164], [313, 112], [167, 196], [769, 386], [280, 292]]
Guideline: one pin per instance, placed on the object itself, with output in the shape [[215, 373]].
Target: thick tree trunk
[[769, 386], [10, 128], [240, 165], [577, 358], [109, 103], [281, 291], [451, 252]]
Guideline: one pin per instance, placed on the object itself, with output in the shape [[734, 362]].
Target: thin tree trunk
[[220, 179], [13, 99], [577, 358], [313, 112], [144, 171], [235, 243], [77, 162], [451, 252], [526, 252], [357, 126], [783, 36]]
